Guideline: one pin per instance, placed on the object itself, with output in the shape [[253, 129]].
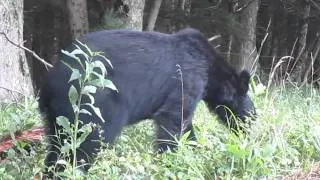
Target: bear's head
[[230, 100]]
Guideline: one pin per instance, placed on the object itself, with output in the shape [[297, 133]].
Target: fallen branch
[[33, 135], [28, 50]]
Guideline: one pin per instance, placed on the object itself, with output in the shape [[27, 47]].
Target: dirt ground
[[312, 174]]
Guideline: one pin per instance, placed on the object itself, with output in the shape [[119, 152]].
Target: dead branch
[[244, 6], [28, 50], [12, 90]]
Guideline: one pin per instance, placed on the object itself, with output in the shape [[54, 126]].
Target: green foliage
[[90, 75], [20, 163], [284, 138], [16, 117]]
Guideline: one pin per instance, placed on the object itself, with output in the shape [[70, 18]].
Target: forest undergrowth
[[285, 138]]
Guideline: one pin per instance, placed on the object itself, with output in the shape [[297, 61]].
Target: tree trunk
[[310, 65], [153, 15], [78, 18], [302, 54], [246, 40], [15, 78], [185, 9], [170, 22], [46, 32], [135, 14]]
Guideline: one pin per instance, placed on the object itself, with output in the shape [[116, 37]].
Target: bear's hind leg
[[172, 123]]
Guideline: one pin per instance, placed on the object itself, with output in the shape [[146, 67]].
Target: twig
[[315, 5], [214, 38], [11, 90], [28, 50], [244, 6]]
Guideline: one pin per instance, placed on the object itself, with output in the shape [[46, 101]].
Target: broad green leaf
[[96, 110], [73, 57], [185, 136], [21, 144], [84, 111], [70, 54], [89, 89], [99, 65], [88, 50], [98, 75], [66, 148], [92, 100], [88, 69], [109, 84], [73, 95], [75, 108], [75, 74], [64, 123], [235, 150], [85, 131], [80, 52], [62, 162], [106, 59], [100, 78], [105, 83]]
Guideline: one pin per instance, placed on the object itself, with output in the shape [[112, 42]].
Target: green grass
[[285, 137], [20, 164]]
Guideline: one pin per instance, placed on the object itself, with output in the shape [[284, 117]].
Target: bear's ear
[[244, 82]]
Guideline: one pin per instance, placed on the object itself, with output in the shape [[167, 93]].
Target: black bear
[[158, 76]]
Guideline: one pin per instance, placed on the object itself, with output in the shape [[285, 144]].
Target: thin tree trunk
[[135, 14], [302, 54], [312, 60], [78, 18], [185, 8], [153, 15], [247, 50], [15, 80]]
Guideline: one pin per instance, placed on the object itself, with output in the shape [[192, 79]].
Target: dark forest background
[[251, 34]]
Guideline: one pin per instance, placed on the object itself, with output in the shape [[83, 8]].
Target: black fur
[[150, 70]]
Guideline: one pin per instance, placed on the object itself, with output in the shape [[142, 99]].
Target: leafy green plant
[[284, 138], [90, 77], [25, 158]]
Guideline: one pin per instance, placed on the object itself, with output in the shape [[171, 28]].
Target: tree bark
[[78, 18], [185, 8], [15, 80], [153, 15], [135, 14], [245, 45], [302, 54]]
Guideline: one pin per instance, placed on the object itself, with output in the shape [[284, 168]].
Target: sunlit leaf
[[62, 162], [89, 89], [70, 55], [96, 110], [87, 49], [80, 52], [75, 75], [84, 111], [99, 65], [85, 131], [73, 95], [106, 59], [104, 83], [64, 123]]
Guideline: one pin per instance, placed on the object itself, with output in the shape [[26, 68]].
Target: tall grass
[[285, 137]]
